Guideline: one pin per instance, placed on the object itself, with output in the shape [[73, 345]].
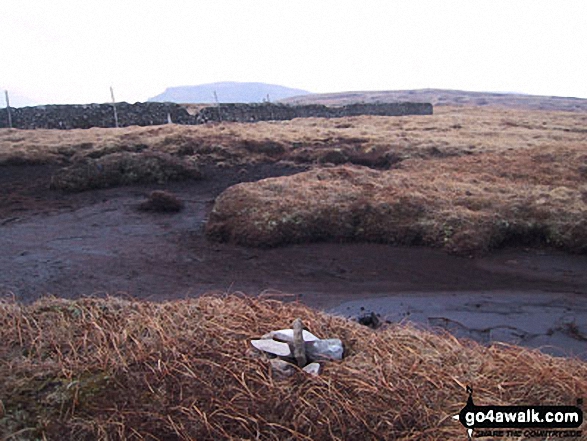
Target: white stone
[[287, 335], [324, 350], [273, 347], [312, 368]]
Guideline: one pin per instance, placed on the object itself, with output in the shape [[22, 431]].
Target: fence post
[[8, 109], [114, 107], [217, 106]]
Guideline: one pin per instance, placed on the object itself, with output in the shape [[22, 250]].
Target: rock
[[162, 201], [281, 367], [312, 368], [273, 347], [284, 369], [371, 320], [324, 350], [287, 335], [299, 347]]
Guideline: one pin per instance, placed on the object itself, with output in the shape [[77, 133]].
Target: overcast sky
[[63, 51]]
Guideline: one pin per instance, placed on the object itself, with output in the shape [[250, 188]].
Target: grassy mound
[[464, 204], [162, 201], [118, 369], [123, 169]]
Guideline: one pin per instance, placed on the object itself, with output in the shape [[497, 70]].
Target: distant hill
[[227, 92], [440, 97]]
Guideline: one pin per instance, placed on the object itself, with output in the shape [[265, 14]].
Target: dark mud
[[98, 242]]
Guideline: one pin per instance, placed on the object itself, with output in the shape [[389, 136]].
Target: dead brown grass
[[364, 140], [466, 179], [124, 369], [465, 204]]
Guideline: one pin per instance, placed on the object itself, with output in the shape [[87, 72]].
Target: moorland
[[302, 216]]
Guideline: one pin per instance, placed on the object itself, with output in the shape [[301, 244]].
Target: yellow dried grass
[[126, 369], [466, 204], [450, 131]]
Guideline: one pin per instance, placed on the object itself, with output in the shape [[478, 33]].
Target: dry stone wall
[[151, 113], [94, 115]]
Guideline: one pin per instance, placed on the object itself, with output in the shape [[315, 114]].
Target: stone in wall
[[152, 113], [246, 113], [279, 112], [94, 115]]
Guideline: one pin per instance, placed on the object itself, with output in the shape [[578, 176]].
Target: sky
[[71, 52]]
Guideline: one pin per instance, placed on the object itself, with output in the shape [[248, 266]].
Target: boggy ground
[[97, 242], [476, 179]]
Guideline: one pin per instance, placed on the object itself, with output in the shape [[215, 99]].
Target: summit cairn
[[297, 346]]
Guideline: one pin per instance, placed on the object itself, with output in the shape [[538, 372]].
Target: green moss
[[35, 402]]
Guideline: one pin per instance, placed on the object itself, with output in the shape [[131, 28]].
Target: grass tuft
[[162, 201], [464, 204], [123, 169]]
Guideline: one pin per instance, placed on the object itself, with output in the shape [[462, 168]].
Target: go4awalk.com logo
[[517, 421]]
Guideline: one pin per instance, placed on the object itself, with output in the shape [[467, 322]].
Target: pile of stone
[[298, 346]]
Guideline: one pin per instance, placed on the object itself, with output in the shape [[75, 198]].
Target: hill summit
[[227, 92], [446, 97]]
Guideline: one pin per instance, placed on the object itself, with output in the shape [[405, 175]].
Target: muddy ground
[[97, 242]]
